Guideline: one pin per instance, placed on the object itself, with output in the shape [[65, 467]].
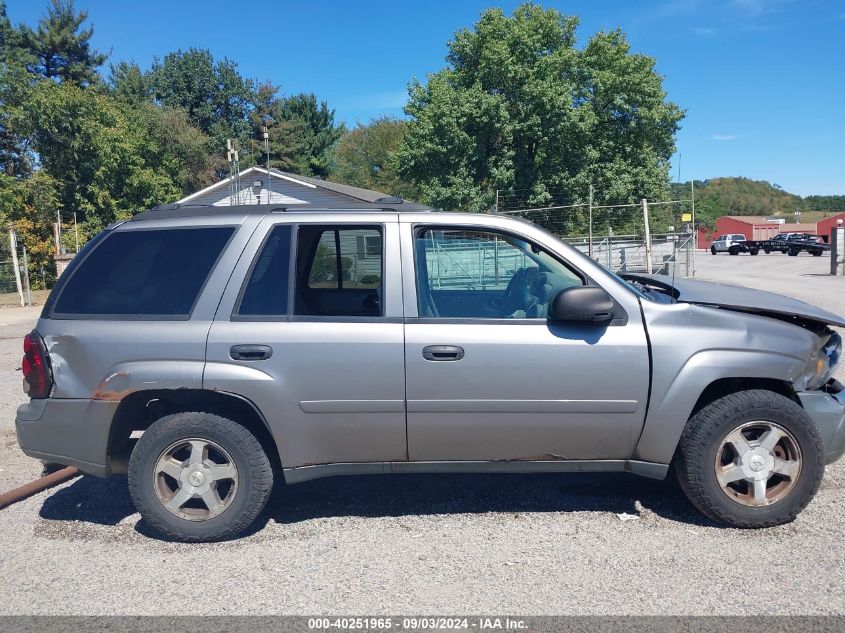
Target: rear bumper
[[73, 432], [827, 409]]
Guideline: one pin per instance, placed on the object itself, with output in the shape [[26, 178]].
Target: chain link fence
[[651, 237], [15, 288]]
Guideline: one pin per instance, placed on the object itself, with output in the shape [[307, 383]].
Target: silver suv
[[210, 352]]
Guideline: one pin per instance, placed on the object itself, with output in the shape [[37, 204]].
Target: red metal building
[[824, 227], [753, 227], [756, 227]]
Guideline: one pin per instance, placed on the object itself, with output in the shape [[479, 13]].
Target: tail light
[[37, 377]]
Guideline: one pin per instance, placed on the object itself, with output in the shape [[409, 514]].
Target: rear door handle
[[443, 352], [250, 352]]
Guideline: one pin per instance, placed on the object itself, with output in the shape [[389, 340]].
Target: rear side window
[[146, 273], [339, 271], [266, 291]]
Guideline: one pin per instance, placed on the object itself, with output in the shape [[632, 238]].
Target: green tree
[[519, 107], [170, 144], [84, 142], [824, 203], [317, 132], [15, 86], [216, 97], [29, 205], [302, 132], [366, 156], [61, 47], [111, 159], [286, 135], [128, 82]]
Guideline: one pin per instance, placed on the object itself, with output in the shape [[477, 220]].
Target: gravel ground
[[530, 544]]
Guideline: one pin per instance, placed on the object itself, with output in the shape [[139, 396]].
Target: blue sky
[[763, 81]]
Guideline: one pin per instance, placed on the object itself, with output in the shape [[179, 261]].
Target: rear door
[[310, 330]]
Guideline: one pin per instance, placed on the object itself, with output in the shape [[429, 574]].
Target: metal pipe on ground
[[39, 485]]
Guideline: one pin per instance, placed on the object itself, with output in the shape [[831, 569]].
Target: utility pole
[[75, 232], [694, 227], [647, 237], [496, 208], [58, 231], [27, 285], [13, 243], [590, 211]]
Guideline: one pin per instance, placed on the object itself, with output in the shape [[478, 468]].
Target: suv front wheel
[[199, 477], [750, 459]]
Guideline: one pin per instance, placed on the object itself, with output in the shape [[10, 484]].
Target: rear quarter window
[[143, 273]]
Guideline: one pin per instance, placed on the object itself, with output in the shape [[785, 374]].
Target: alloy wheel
[[758, 463], [195, 479]]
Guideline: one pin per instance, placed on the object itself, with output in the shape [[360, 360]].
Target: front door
[[316, 341], [490, 377]]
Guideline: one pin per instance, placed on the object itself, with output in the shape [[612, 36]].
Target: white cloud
[[723, 137]]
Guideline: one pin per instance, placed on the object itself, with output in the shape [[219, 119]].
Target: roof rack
[[173, 206], [184, 210]]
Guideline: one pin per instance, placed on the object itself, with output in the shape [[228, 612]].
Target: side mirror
[[588, 304]]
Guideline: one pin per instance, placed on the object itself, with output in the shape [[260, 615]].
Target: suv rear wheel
[[751, 459], [199, 477]]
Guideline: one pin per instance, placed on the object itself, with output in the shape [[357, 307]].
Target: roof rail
[[173, 206]]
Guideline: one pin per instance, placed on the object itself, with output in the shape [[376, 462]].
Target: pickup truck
[[212, 352], [790, 243], [794, 243]]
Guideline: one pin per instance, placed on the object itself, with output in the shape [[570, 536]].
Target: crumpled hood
[[740, 298]]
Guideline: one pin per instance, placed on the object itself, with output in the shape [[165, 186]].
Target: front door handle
[[443, 352], [250, 352]]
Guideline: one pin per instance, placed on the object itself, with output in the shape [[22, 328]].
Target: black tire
[[712, 250], [733, 250], [792, 252], [254, 474], [754, 251], [816, 253], [704, 433], [767, 250]]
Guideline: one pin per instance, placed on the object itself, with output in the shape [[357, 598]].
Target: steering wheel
[[517, 295]]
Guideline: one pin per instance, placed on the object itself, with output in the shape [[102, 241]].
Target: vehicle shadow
[[91, 500], [106, 501], [417, 494]]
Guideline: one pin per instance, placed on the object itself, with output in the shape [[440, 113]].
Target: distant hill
[[742, 196]]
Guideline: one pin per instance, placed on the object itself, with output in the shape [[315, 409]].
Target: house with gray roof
[[258, 185]]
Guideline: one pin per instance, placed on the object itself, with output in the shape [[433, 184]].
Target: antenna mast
[[234, 168], [266, 136]]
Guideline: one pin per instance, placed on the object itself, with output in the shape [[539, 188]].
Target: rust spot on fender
[[113, 396], [110, 389]]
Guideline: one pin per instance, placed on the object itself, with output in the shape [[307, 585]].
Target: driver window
[[485, 275]]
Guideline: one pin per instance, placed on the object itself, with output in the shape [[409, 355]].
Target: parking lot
[[445, 544]]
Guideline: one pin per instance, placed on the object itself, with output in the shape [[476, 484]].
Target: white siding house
[[260, 186]]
